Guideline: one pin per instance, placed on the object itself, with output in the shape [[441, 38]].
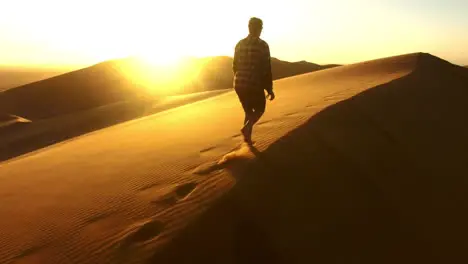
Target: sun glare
[[162, 75], [159, 59]]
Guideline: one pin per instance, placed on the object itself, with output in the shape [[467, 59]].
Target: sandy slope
[[327, 185], [20, 136], [377, 178]]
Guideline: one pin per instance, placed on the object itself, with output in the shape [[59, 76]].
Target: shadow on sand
[[377, 178]]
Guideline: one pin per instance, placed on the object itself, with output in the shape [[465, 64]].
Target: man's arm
[[268, 74], [235, 62]]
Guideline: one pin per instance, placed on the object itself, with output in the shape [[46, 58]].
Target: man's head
[[255, 26]]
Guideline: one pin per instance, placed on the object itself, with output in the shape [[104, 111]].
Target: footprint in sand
[[184, 190], [207, 149], [212, 151], [143, 232], [28, 252], [97, 217], [35, 254], [170, 194], [292, 114]]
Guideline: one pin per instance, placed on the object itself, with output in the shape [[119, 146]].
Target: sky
[[72, 33]]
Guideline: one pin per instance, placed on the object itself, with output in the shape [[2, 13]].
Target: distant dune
[[364, 163], [71, 92], [282, 69], [13, 77]]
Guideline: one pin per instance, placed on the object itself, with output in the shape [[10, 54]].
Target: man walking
[[252, 75]]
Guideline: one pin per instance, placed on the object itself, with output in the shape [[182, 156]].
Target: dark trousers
[[253, 102]]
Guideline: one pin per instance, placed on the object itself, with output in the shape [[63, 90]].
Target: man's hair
[[255, 24]]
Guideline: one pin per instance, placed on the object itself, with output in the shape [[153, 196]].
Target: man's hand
[[271, 95]]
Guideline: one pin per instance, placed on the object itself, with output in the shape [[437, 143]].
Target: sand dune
[[216, 72], [67, 93], [13, 77], [124, 80], [376, 178], [17, 139], [362, 163], [86, 100]]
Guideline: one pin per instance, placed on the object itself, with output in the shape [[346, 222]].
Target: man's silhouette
[[252, 75]]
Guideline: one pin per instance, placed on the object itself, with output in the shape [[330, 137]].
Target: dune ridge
[[11, 77], [331, 178]]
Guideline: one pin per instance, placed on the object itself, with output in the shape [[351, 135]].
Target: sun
[[161, 74], [159, 53], [160, 59]]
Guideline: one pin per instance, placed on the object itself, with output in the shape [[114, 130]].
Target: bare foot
[[247, 133]]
